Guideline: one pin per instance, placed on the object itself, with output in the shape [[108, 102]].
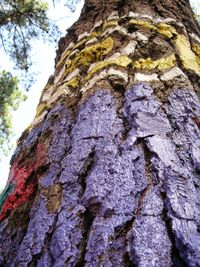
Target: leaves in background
[[10, 97]]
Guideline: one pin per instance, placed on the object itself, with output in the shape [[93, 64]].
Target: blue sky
[[43, 55]]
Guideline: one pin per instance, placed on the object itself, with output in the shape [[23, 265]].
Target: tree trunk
[[108, 172]]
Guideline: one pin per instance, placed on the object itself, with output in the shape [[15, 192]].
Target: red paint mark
[[18, 176]]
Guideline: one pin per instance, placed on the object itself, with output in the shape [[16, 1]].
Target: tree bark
[[108, 172]]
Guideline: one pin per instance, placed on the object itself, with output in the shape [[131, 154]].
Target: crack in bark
[[86, 169], [127, 261], [91, 137], [175, 253], [122, 230], [147, 157], [88, 219]]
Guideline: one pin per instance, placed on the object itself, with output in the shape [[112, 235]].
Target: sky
[[43, 55]]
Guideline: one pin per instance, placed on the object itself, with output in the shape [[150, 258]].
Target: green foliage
[[20, 22], [10, 97]]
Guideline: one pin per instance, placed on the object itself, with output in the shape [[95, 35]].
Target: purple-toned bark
[[124, 198], [110, 167]]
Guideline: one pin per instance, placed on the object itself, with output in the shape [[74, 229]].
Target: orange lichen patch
[[54, 195], [197, 121], [196, 49]]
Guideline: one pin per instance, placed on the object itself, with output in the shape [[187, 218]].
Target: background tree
[[108, 172], [20, 23], [10, 98]]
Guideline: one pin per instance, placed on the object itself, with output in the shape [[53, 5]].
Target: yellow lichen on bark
[[40, 108], [186, 54], [121, 61], [143, 23], [73, 82], [64, 56], [166, 30], [95, 52], [44, 105], [110, 23], [160, 64], [88, 55], [61, 90], [162, 28], [87, 38], [196, 49]]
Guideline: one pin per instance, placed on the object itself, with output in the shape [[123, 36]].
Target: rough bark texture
[[108, 172]]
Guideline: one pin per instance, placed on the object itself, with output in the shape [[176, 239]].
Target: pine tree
[[108, 172], [21, 21]]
